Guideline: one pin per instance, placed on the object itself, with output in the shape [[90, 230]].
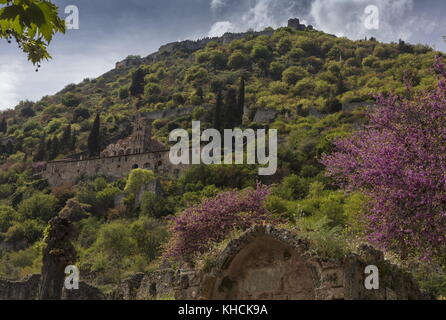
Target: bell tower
[[142, 135]]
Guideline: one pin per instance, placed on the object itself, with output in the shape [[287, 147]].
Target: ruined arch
[[135, 166], [262, 267]]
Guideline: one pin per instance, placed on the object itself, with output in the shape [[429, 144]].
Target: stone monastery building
[[139, 150]]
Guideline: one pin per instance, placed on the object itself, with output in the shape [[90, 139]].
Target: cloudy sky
[[110, 30]]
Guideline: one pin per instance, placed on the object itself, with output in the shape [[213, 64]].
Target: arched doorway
[[266, 269]]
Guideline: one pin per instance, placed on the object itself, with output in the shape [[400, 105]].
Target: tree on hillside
[[41, 151], [94, 138], [9, 147], [71, 100], [217, 121], [66, 138], [137, 87], [32, 24], [137, 178], [241, 101], [73, 141], [196, 228], [398, 161], [230, 109], [199, 93], [3, 125], [55, 148]]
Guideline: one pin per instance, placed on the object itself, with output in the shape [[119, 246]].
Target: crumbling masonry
[[273, 264]]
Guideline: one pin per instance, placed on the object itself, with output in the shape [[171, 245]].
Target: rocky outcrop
[[57, 255], [265, 115], [275, 264]]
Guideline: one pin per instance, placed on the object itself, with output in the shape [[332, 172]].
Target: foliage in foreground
[[32, 24], [399, 162]]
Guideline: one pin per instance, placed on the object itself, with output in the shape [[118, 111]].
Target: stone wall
[[116, 167], [263, 263], [28, 289], [274, 264]]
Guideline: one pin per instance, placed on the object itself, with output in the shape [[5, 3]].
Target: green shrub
[[7, 217], [38, 206], [328, 241], [124, 93], [238, 60], [71, 100], [137, 178], [150, 234], [105, 199], [23, 234], [293, 187], [154, 206], [293, 75]]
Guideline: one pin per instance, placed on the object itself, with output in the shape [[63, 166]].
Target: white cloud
[[346, 18], [9, 81], [216, 4], [220, 28], [258, 14], [259, 17], [19, 81], [398, 18]]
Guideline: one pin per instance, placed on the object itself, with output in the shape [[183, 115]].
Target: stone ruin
[[139, 150], [273, 264], [264, 263], [28, 289], [58, 252], [140, 141], [295, 24]]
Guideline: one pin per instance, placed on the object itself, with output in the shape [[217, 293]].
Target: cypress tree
[[200, 92], [49, 146], [66, 138], [9, 147], [241, 102], [73, 141], [231, 109], [3, 125], [93, 138], [54, 149], [137, 87], [41, 151], [217, 113]]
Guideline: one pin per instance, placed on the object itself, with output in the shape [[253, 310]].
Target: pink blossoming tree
[[399, 161], [197, 227]]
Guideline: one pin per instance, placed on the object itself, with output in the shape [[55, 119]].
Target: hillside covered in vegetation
[[314, 81]]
